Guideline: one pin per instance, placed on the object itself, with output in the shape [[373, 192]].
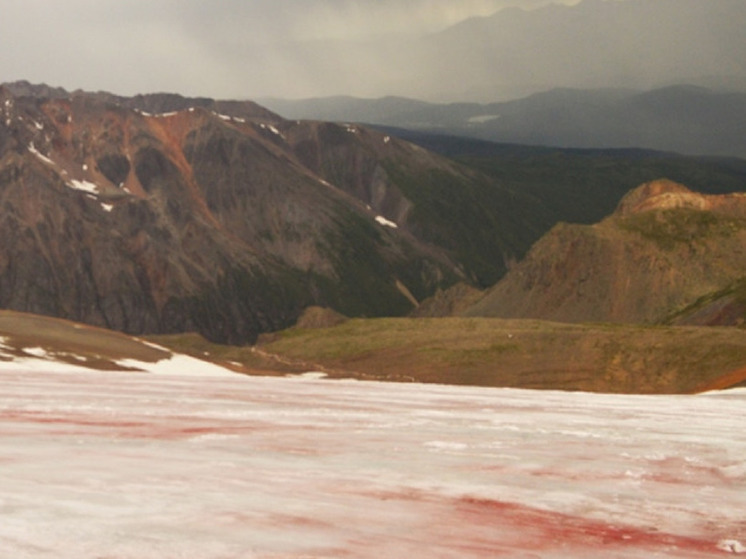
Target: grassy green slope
[[505, 353]]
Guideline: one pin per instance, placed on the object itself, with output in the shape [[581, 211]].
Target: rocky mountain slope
[[160, 213], [665, 254]]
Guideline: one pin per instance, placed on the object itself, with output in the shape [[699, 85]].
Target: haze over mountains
[[594, 44], [634, 44], [667, 75]]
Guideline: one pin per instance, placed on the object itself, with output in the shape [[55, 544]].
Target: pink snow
[[221, 466]]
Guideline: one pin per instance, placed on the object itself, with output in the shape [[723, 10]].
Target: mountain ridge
[[662, 250], [227, 223]]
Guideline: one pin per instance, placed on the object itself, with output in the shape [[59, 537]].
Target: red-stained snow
[[148, 466]]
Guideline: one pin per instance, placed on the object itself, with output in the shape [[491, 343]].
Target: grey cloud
[[304, 48]]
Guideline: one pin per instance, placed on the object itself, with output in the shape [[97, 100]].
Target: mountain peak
[[660, 194], [665, 194]]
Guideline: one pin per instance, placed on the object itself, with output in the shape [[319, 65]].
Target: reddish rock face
[[163, 214]]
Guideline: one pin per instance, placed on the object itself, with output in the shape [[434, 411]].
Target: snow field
[[127, 465]]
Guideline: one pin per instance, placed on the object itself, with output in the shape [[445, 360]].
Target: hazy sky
[[220, 48]]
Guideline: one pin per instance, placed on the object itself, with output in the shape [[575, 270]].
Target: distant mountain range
[[685, 119]]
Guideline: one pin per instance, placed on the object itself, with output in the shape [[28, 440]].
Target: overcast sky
[[219, 48]]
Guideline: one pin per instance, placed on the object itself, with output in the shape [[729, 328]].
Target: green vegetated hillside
[[519, 353]]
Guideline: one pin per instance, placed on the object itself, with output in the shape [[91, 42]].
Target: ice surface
[[127, 465]]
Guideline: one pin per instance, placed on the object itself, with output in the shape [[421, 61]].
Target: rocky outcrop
[[664, 249]]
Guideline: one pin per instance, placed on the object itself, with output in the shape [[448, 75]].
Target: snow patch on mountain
[[83, 186], [40, 155], [385, 222]]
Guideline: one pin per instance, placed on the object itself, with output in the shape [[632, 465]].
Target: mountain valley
[[164, 215]]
